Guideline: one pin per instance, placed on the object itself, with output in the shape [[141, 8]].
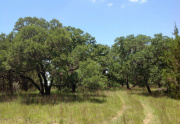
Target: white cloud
[[93, 1], [138, 1], [123, 6], [110, 4], [134, 0], [143, 1]]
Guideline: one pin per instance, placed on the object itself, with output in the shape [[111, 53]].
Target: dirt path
[[130, 102], [120, 113], [148, 116]]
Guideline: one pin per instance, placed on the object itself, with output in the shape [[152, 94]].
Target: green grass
[[163, 109], [119, 106], [167, 110], [132, 112], [60, 108]]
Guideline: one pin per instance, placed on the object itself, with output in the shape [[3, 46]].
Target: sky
[[103, 19]]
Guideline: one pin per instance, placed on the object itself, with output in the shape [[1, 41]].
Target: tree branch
[[32, 81]]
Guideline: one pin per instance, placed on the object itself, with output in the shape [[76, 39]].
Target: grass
[[119, 106], [133, 110], [167, 110], [60, 108], [164, 110]]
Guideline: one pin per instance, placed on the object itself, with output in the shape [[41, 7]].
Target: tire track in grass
[[148, 111], [134, 112], [130, 110], [121, 111], [148, 116], [133, 107]]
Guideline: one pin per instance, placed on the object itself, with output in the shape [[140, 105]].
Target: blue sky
[[103, 19]]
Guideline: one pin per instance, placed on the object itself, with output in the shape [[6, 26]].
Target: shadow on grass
[[55, 98], [144, 92], [7, 98]]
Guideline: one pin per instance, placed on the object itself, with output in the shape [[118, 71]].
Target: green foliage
[[90, 75], [40, 51], [140, 59], [46, 53], [131, 53], [172, 73]]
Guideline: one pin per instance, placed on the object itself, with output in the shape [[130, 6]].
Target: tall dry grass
[[119, 106], [60, 108]]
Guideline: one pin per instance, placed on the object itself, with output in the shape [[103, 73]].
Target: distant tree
[[126, 50], [5, 70], [176, 31], [158, 47], [172, 72]]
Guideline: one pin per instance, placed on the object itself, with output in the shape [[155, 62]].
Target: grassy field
[[120, 106]]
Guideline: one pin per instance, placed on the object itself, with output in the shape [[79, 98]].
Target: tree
[[126, 49], [158, 47], [140, 59], [5, 70], [81, 43], [39, 50], [171, 74], [2, 60]]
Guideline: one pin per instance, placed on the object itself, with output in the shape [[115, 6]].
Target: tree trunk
[[32, 81], [3, 84], [122, 84], [159, 85], [127, 82], [74, 88], [47, 89], [41, 82], [148, 88], [10, 82], [24, 85]]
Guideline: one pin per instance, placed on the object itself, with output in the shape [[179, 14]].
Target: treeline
[[41, 54]]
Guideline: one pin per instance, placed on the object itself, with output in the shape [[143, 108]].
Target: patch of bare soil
[[148, 117]]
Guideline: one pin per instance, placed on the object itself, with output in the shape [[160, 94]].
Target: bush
[[90, 75]]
